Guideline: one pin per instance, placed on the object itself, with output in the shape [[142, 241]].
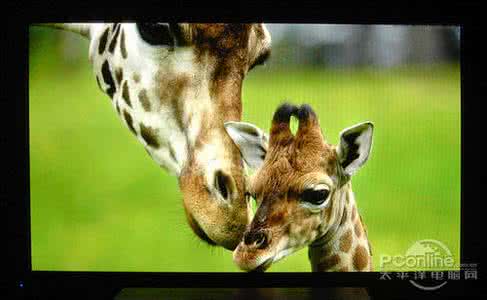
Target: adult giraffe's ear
[[354, 148], [251, 140]]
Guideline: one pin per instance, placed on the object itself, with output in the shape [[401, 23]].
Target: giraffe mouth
[[263, 266], [199, 231], [202, 235], [252, 260]]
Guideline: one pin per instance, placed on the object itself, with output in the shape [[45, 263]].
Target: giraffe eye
[[315, 197], [156, 34]]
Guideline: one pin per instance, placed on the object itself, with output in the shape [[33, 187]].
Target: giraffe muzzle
[[254, 253]]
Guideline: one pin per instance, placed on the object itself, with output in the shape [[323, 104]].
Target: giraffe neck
[[345, 247], [171, 111]]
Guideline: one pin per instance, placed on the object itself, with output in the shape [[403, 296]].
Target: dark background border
[[14, 187]]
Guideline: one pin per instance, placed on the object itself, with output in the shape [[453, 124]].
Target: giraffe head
[[298, 183], [174, 86]]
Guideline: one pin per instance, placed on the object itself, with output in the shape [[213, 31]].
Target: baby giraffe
[[303, 189]]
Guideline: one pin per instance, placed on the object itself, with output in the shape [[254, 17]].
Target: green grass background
[[99, 203]]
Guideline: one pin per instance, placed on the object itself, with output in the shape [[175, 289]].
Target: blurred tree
[[360, 45]]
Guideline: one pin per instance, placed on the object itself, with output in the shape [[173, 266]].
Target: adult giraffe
[[174, 86]]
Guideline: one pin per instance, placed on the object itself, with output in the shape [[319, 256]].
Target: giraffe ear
[[250, 140], [354, 148]]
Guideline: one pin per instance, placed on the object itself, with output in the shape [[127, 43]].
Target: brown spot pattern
[[103, 41], [358, 228], [126, 94], [346, 241], [108, 79], [360, 258], [123, 50], [129, 121], [177, 104], [171, 89], [111, 47], [136, 77], [144, 100], [149, 135], [119, 75], [329, 262]]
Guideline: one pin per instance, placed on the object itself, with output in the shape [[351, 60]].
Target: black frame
[[14, 193]]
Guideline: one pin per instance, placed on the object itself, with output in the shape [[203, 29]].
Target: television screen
[[109, 189]]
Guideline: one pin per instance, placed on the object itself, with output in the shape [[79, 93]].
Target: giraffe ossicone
[[303, 190], [174, 86]]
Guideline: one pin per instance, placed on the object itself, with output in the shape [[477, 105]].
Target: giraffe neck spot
[[346, 241]]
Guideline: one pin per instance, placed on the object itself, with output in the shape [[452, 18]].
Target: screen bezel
[[17, 195]]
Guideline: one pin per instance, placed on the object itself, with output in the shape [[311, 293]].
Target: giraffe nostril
[[248, 238], [225, 184], [261, 241], [258, 239]]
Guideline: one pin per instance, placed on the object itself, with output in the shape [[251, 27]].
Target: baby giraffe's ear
[[354, 148], [251, 141]]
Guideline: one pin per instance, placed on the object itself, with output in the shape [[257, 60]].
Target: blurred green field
[[99, 203]]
